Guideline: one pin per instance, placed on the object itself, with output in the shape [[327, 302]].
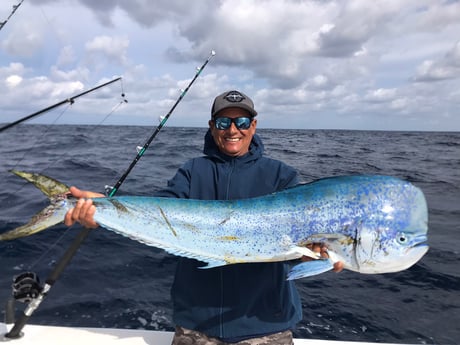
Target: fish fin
[[44, 219], [49, 186], [49, 216], [333, 257], [213, 264], [310, 268], [306, 252]]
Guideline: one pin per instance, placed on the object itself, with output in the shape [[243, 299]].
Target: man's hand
[[322, 250], [84, 210]]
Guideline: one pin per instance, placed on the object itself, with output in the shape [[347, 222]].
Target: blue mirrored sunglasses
[[223, 123]]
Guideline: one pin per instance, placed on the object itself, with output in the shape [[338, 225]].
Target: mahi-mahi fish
[[372, 223]]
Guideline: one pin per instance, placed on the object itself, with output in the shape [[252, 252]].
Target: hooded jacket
[[238, 301]]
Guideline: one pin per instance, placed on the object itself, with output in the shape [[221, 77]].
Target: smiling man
[[233, 124], [243, 304]]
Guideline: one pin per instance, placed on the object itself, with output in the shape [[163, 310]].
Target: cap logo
[[234, 97]]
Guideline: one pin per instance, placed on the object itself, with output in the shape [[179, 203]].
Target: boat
[[57, 335]]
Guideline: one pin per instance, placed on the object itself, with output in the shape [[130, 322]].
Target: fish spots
[[167, 222]]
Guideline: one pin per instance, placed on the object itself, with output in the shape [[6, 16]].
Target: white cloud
[[380, 95], [113, 49], [26, 39], [447, 67], [66, 56], [13, 80]]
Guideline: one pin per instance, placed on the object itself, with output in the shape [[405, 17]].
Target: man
[[242, 303]]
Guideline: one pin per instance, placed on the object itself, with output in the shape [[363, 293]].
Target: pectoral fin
[[306, 252], [310, 268]]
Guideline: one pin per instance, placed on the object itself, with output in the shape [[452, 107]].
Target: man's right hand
[[84, 210]]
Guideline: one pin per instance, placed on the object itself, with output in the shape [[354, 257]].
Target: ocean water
[[116, 282]]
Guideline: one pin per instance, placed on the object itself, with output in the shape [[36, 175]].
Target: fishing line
[[123, 91], [111, 191], [33, 304], [114, 109], [43, 135], [70, 100], [63, 233], [42, 140]]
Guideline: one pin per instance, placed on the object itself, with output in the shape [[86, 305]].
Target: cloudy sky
[[358, 64]]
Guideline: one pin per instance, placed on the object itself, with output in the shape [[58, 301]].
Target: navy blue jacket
[[242, 300]]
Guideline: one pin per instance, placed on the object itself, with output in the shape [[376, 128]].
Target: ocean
[[116, 282]]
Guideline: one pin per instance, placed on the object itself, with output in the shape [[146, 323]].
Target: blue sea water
[[116, 282]]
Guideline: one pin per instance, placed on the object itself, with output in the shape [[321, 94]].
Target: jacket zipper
[[222, 285]]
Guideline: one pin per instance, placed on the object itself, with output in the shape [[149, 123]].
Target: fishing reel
[[26, 287]]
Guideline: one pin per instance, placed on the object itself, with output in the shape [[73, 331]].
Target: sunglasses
[[223, 123]]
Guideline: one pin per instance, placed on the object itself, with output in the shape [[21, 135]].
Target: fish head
[[386, 250], [395, 237]]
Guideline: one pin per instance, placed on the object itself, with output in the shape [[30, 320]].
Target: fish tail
[[51, 215], [49, 186]]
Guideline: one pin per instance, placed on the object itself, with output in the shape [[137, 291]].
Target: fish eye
[[401, 238]]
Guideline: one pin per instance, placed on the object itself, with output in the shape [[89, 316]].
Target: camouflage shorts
[[184, 336]]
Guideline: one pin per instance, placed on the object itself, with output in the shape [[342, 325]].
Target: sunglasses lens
[[223, 123], [242, 122]]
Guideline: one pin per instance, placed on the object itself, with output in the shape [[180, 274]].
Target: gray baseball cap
[[233, 99]]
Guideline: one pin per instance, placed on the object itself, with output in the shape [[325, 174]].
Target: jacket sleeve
[[179, 185], [287, 176]]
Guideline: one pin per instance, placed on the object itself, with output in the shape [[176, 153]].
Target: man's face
[[233, 141]]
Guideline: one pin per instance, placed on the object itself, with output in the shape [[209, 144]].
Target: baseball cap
[[233, 99]]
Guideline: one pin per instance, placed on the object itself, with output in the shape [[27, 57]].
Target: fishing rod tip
[[213, 52]]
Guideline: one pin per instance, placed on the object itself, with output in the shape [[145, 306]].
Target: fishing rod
[[26, 287], [110, 191], [70, 100], [15, 7]]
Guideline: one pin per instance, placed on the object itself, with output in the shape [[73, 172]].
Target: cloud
[[13, 80], [107, 47], [26, 39], [448, 67], [301, 58], [380, 95], [66, 56]]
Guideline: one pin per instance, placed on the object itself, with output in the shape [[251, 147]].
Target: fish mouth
[[420, 241], [419, 246]]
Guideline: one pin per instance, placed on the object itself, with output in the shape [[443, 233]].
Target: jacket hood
[[256, 148]]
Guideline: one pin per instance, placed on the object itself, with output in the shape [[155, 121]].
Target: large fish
[[373, 224]]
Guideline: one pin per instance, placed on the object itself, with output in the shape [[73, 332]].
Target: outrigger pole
[[29, 281], [15, 7], [70, 100], [110, 191]]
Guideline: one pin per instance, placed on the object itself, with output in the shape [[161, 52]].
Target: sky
[[307, 64]]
